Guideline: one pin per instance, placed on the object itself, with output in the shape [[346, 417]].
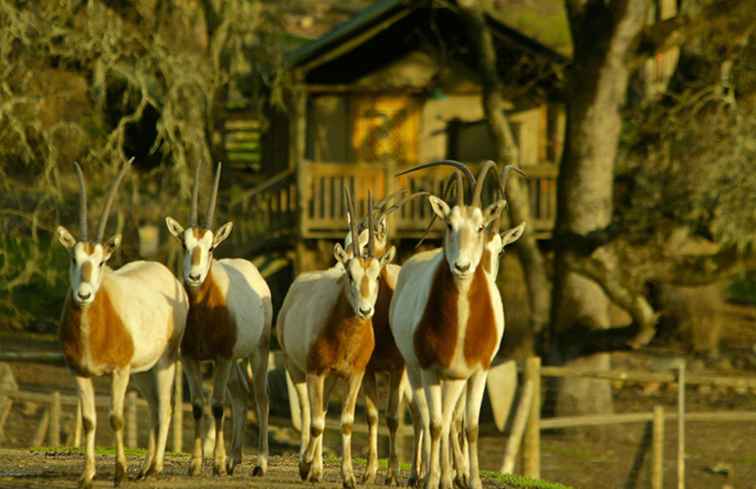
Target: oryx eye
[[481, 228], [449, 226], [102, 263], [73, 260]]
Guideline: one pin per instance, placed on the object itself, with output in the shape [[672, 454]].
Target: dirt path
[[51, 470]]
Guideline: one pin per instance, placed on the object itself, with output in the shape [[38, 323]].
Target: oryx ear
[[111, 245], [174, 227], [440, 207], [340, 254], [388, 257], [512, 235], [222, 233], [492, 211], [65, 238]]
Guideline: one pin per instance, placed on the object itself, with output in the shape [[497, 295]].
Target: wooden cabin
[[394, 86]]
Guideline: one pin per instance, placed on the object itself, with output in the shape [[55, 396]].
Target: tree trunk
[[603, 36], [507, 152]]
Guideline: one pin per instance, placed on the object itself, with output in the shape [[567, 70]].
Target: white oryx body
[[229, 321], [325, 330], [120, 322], [448, 320]]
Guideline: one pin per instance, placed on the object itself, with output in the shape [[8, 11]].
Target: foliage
[[742, 290], [522, 482], [101, 81]]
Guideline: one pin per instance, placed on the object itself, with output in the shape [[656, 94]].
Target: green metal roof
[[345, 30]]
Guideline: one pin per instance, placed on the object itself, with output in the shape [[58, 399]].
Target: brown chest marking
[[486, 261], [480, 333], [436, 334], [210, 329], [386, 355], [109, 344], [345, 343]]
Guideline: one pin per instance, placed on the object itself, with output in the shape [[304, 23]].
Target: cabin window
[[473, 141], [328, 129], [386, 127]]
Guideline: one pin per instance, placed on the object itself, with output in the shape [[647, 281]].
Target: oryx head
[[88, 258], [199, 242], [467, 225], [497, 239], [390, 204], [361, 267]]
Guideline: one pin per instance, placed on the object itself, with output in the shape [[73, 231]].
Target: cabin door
[[386, 128]]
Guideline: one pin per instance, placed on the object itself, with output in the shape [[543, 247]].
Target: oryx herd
[[436, 321]]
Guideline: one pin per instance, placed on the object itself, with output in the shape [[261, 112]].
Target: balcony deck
[[306, 202]]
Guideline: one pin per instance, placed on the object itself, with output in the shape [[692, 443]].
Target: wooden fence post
[[54, 433], [178, 409], [513, 443], [532, 449], [657, 468], [681, 425], [132, 426], [39, 436]]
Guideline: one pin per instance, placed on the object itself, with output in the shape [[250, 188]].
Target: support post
[[532, 452], [44, 423], [178, 409], [54, 433], [515, 438], [657, 467], [681, 425], [132, 428]]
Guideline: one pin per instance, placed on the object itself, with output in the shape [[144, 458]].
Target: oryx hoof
[[304, 469], [349, 482], [258, 471], [392, 478], [368, 477], [196, 467]]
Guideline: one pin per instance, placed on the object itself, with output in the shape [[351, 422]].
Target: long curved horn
[[454, 164], [476, 200], [383, 204], [371, 231], [213, 198], [398, 205], [445, 195], [111, 198], [352, 224], [82, 203], [502, 178], [195, 195]]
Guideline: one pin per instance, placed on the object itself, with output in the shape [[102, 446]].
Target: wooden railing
[[325, 216], [319, 211]]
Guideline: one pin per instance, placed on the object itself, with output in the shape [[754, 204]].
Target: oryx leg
[[421, 425], [89, 424], [194, 377], [476, 386], [260, 360], [442, 398], [459, 444], [145, 383], [300, 386], [220, 381], [393, 414], [347, 421], [164, 373], [317, 426], [371, 407], [238, 391], [118, 393]]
